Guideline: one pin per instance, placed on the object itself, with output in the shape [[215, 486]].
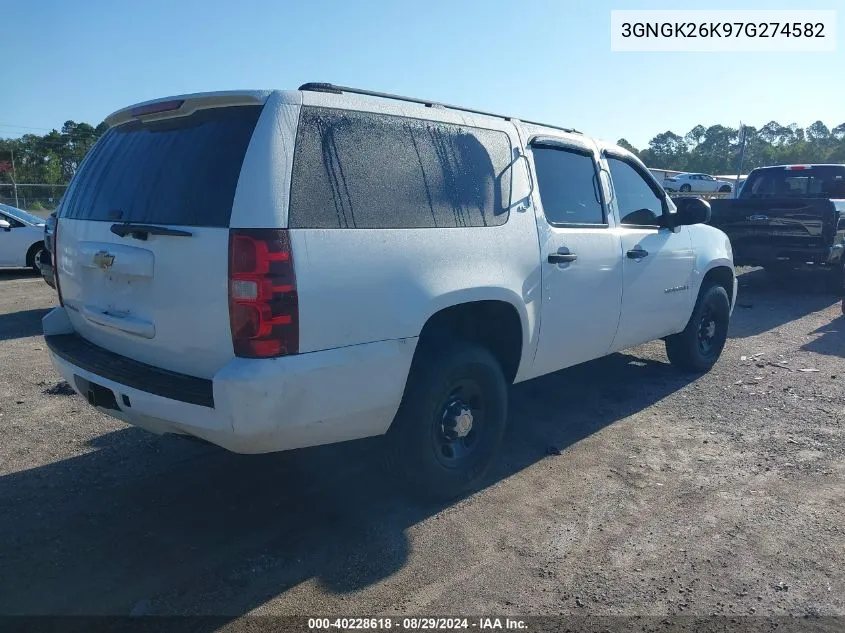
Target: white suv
[[273, 270]]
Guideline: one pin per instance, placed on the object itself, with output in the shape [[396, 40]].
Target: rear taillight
[[263, 303], [54, 260]]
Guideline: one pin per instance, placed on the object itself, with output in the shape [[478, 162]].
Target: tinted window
[[637, 202], [365, 170], [181, 170], [568, 184], [826, 181]]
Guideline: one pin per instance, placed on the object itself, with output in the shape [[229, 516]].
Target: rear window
[[182, 170], [365, 170], [814, 182]]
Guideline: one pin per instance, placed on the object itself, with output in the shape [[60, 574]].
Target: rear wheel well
[[494, 325], [720, 276], [30, 254]]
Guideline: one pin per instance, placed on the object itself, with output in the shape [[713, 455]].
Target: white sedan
[[696, 182], [21, 238]]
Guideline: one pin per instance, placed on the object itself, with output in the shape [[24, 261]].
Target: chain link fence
[[32, 197]]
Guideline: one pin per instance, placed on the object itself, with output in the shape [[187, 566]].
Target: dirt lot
[[671, 494]]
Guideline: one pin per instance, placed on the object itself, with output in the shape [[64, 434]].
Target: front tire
[[699, 346], [451, 421], [724, 189], [35, 256]]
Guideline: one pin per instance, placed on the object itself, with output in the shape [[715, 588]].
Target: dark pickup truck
[[788, 216]]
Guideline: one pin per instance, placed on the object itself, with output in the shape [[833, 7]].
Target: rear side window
[[365, 170], [182, 170]]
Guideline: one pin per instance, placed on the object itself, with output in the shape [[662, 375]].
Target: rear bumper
[[767, 255], [248, 406], [48, 274]]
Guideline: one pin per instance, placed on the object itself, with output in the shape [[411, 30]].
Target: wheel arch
[[493, 319], [30, 253]]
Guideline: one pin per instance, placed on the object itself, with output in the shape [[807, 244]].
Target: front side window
[[638, 203], [569, 186]]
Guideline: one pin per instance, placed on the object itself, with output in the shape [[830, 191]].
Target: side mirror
[[691, 211], [4, 224]]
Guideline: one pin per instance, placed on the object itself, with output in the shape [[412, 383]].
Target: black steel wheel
[[450, 424]]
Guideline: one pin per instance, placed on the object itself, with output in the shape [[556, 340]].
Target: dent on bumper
[[274, 404]]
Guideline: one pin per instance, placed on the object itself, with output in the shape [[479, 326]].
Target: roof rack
[[327, 87]]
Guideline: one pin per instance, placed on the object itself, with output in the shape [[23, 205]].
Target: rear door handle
[[637, 253], [562, 258]]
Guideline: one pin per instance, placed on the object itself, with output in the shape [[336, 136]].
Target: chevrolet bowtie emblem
[[103, 259]]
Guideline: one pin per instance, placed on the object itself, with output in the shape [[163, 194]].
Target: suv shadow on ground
[[21, 324], [167, 525], [770, 299], [832, 339]]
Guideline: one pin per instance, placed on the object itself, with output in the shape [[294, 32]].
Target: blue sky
[[544, 60]]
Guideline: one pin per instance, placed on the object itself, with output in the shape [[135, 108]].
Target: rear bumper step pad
[[77, 351]]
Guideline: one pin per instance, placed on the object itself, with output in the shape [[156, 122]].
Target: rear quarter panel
[[363, 285]]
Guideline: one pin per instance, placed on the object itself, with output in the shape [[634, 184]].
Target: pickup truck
[[271, 270], [788, 216]]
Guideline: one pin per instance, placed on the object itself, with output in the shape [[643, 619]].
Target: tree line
[[49, 159], [715, 149], [53, 158]]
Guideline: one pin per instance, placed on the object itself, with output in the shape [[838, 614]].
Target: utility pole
[[14, 179], [743, 134]]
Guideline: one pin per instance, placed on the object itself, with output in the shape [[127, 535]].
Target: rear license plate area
[[97, 395]]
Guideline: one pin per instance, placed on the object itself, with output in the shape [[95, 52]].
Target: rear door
[[143, 235], [581, 256]]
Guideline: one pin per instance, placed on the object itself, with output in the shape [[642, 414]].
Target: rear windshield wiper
[[143, 231]]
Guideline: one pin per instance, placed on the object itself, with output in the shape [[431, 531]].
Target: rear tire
[[685, 188], [699, 346], [433, 446], [724, 189]]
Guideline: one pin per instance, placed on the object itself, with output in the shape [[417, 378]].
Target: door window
[[638, 202], [569, 187]]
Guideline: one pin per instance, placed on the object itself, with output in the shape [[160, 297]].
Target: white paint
[[364, 294], [16, 241]]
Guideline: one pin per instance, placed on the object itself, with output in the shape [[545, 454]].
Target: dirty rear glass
[[365, 170], [181, 170]]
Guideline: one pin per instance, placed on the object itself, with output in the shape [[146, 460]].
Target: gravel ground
[[625, 488]]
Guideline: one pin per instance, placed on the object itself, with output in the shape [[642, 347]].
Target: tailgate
[[772, 222], [143, 238]]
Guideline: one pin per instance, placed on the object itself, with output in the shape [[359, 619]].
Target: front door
[[581, 258], [657, 262]]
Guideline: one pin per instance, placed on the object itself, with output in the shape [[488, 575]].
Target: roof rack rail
[[327, 87]]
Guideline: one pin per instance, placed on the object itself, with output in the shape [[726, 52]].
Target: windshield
[[825, 181], [20, 214]]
